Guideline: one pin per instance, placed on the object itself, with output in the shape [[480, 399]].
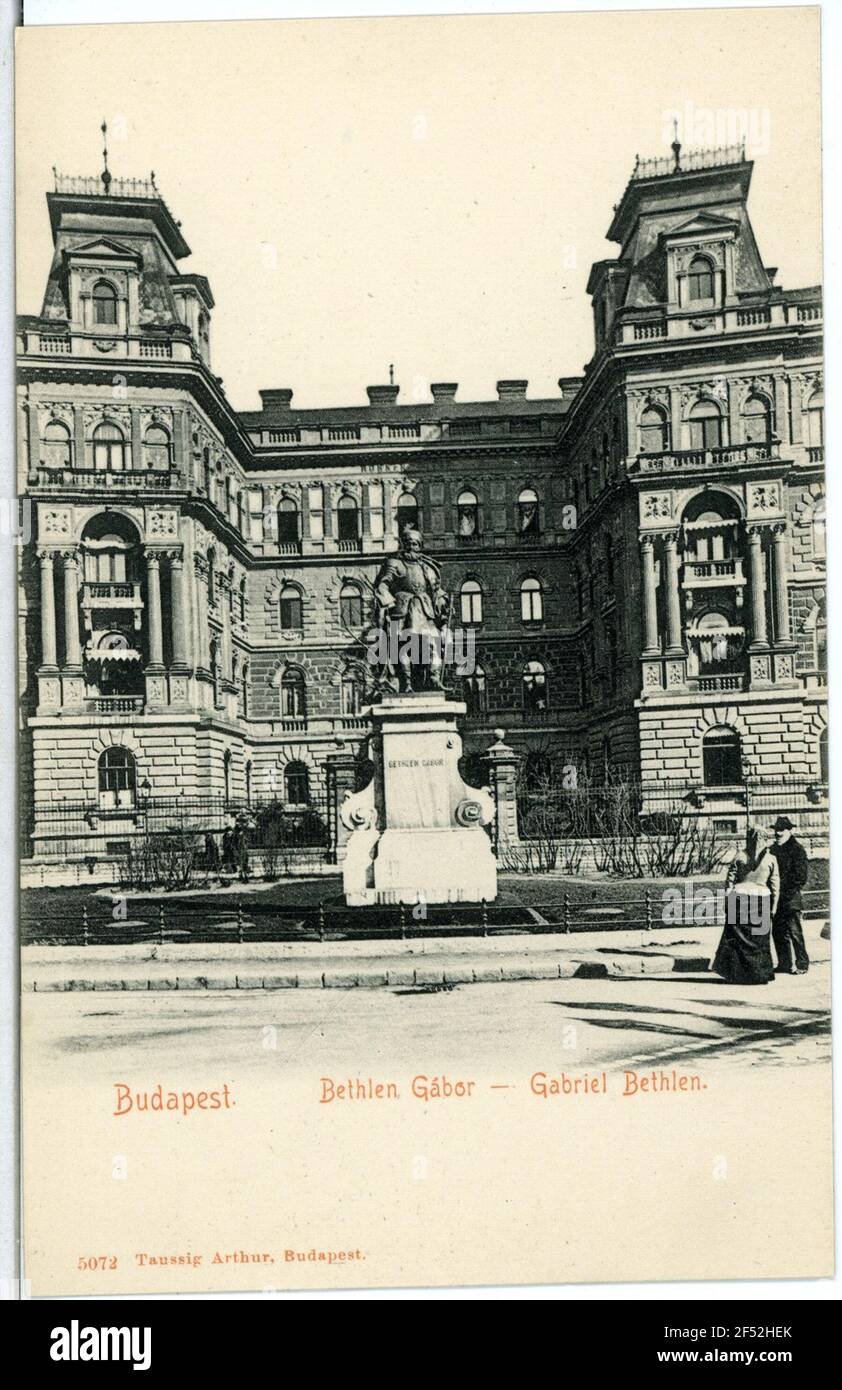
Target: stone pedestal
[[417, 829]]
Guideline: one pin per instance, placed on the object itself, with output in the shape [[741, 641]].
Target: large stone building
[[641, 556]]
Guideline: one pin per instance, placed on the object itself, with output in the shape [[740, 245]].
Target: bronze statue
[[411, 612]]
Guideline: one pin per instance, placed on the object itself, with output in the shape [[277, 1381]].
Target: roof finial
[[391, 373], [105, 175], [676, 146]]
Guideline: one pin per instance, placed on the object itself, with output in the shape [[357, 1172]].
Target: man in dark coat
[[794, 868]]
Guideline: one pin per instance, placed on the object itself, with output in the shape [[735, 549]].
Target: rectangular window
[[256, 505], [375, 510], [316, 501]]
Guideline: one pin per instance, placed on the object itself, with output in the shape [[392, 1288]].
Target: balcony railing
[[708, 458], [348, 547], [115, 704], [119, 595], [733, 681], [815, 453], [132, 479], [714, 571]]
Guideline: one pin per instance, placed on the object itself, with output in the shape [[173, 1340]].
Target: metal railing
[[203, 920]]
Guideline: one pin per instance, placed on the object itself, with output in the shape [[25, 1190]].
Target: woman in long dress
[[744, 953]]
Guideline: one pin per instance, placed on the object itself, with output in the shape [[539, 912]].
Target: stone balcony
[[42, 338], [662, 326], [116, 480]]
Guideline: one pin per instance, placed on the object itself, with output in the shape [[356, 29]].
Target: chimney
[[276, 400], [512, 390], [382, 395], [444, 391]]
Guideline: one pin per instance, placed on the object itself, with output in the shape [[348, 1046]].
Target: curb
[[383, 979]]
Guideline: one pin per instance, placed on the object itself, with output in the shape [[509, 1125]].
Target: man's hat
[[783, 823]]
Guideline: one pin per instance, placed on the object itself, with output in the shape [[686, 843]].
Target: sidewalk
[[371, 965]]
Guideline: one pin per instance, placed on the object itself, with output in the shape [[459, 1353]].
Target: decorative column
[[153, 593], [758, 587], [201, 644], [674, 646], [781, 594], [48, 611], [650, 604], [72, 647], [178, 600]]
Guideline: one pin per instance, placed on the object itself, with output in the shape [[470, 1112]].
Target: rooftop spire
[[676, 146], [105, 175]]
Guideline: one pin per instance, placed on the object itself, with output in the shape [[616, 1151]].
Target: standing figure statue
[[411, 612]]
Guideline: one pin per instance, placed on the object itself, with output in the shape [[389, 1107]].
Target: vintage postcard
[[422, 649]]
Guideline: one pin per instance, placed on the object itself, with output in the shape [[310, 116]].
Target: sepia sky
[[429, 192]]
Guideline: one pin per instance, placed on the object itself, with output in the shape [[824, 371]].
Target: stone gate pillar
[[503, 762]]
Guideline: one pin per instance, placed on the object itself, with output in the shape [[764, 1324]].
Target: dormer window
[[700, 279], [105, 303]]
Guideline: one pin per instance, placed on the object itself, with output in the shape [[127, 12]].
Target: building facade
[[640, 558]]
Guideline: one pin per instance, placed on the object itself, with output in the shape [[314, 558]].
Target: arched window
[[292, 610], [105, 303], [532, 601], [296, 784], [407, 511], [475, 692], [117, 776], [57, 445], [156, 448], [467, 509], [288, 526], [207, 476], [347, 519], [528, 514], [721, 758], [654, 435], [700, 279], [226, 768], [470, 602], [215, 672], [293, 694], [353, 694], [815, 420], [109, 447], [211, 577], [351, 605], [757, 420], [705, 426], [534, 686], [242, 600], [824, 761]]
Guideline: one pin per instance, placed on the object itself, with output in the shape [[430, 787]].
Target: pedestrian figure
[[211, 854], [744, 953], [794, 868]]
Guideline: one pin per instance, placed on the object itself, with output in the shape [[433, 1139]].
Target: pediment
[[104, 249], [701, 224]]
